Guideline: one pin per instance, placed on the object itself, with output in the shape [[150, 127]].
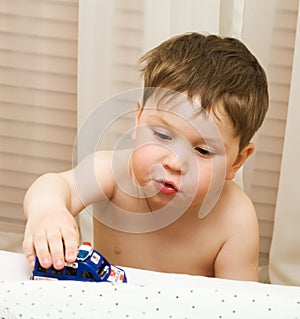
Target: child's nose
[[175, 162]]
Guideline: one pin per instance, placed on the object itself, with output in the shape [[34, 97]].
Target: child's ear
[[138, 112], [240, 160], [137, 117]]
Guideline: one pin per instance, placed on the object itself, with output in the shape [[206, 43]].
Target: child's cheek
[[211, 174], [141, 163]]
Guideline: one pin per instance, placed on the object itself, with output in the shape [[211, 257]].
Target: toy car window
[[70, 271], [56, 272], [102, 271], [42, 269], [82, 254], [88, 275]]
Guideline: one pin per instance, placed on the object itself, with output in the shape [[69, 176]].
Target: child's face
[[181, 159]]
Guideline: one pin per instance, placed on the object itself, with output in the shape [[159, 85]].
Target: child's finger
[[41, 248], [56, 248], [29, 251], [71, 241], [71, 248]]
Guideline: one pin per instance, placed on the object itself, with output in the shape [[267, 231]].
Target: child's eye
[[162, 136], [204, 152]]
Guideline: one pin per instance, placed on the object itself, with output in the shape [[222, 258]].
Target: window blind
[[38, 82], [127, 40], [126, 44]]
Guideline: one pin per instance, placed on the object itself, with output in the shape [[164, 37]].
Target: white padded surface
[[146, 295]]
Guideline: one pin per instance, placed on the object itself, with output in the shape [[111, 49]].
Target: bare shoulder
[[111, 167], [236, 216], [235, 205], [108, 157], [113, 163]]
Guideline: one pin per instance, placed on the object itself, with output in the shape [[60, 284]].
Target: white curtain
[[285, 250], [249, 20]]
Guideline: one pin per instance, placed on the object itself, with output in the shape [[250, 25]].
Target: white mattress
[[146, 295]]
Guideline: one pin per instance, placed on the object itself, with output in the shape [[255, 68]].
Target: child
[[170, 203]]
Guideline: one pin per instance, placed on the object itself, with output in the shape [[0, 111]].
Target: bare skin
[[224, 244]]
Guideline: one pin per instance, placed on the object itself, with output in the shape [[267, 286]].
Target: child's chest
[[178, 248]]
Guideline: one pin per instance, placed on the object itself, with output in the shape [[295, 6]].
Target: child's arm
[[51, 203], [50, 222]]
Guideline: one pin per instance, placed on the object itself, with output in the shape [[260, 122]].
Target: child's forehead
[[189, 117], [187, 109], [184, 123], [165, 99], [183, 105]]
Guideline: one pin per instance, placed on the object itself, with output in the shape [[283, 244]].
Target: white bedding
[[146, 295]]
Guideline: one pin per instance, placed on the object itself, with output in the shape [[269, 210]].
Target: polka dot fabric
[[65, 299], [147, 294]]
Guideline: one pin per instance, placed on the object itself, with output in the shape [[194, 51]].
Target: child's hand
[[53, 237]]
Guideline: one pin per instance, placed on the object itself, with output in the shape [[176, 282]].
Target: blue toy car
[[89, 266]]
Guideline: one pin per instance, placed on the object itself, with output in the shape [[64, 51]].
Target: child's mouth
[[166, 187]]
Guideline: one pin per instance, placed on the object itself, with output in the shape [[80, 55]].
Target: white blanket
[[146, 295]]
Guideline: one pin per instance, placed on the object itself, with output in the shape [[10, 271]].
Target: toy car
[[89, 266]]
